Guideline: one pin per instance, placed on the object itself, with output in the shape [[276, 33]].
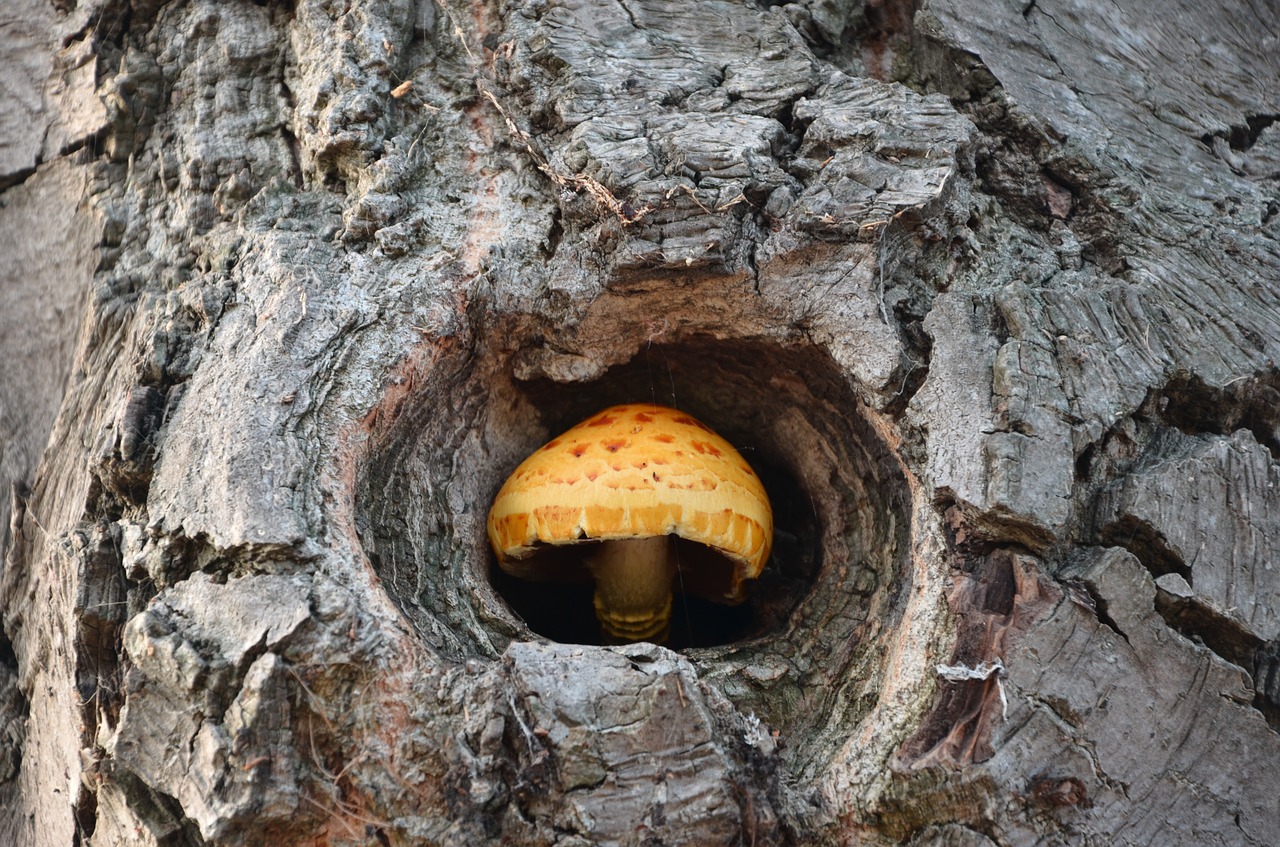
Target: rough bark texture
[[988, 293]]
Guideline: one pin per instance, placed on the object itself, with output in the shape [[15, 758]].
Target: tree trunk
[[988, 295]]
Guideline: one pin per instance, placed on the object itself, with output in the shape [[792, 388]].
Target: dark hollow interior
[[724, 385]]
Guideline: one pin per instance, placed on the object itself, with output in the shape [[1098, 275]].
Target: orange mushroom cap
[[635, 471]]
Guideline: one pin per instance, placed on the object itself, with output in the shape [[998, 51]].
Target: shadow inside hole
[[565, 612]]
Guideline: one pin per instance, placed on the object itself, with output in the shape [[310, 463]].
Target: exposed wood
[[988, 294]]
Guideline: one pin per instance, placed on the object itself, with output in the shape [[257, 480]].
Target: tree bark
[[988, 294]]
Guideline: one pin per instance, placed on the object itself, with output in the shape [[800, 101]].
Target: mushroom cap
[[635, 471]]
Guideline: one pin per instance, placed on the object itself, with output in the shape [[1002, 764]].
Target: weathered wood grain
[[989, 295]]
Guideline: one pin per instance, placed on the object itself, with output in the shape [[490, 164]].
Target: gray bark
[[988, 293]]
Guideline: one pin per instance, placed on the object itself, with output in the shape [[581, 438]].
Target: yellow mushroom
[[630, 480]]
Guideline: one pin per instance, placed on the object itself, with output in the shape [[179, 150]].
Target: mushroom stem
[[633, 588]]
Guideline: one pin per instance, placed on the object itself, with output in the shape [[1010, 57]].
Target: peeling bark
[[988, 295]]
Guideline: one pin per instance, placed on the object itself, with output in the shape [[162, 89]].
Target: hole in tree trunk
[[440, 450]]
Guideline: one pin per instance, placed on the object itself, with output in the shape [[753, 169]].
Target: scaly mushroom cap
[[635, 471]]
